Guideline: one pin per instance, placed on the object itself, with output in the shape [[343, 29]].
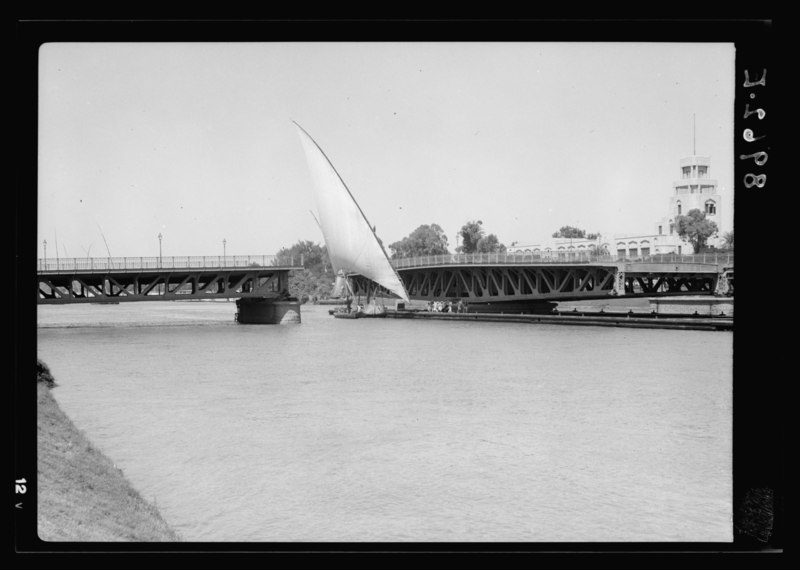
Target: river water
[[402, 430]]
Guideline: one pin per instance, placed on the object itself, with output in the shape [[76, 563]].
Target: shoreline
[[82, 495]]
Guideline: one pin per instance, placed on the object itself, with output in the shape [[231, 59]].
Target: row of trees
[[431, 240]]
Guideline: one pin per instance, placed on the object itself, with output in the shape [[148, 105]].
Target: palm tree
[[727, 240]]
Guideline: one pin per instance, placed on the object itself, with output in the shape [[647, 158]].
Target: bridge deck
[[496, 278], [113, 280]]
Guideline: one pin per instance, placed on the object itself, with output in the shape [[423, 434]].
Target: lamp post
[[224, 242], [159, 248], [45, 248]]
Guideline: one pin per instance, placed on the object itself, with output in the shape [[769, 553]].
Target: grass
[[83, 496]]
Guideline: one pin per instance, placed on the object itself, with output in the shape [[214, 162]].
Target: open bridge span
[[508, 280]]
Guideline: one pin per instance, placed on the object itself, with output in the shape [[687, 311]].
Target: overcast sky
[[195, 140]]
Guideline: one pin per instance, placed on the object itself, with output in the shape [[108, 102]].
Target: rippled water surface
[[399, 430]]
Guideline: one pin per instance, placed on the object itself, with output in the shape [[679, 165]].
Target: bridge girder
[[166, 285], [501, 283], [507, 283]]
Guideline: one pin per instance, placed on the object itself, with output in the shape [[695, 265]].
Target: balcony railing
[[556, 257], [93, 264]]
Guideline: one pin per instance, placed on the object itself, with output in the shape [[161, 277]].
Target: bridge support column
[[721, 286], [619, 283], [264, 311]]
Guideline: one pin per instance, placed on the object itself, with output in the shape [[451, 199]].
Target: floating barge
[[590, 318], [687, 305]]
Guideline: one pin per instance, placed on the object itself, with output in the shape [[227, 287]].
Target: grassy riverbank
[[82, 496]]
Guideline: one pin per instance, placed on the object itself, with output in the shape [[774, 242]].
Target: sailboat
[[353, 246]]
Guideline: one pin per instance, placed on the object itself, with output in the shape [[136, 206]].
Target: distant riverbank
[[83, 496]]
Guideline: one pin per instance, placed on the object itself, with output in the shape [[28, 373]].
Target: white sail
[[352, 244]]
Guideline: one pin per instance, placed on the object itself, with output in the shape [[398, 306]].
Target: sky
[[195, 141]]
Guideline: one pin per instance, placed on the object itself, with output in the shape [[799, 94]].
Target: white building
[[694, 190], [564, 247]]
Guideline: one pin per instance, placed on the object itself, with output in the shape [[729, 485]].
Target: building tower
[[694, 190]]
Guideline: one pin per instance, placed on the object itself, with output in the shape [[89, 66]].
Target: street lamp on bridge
[[45, 248], [159, 249], [224, 241]]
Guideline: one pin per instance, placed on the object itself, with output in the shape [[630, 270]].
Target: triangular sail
[[352, 244]]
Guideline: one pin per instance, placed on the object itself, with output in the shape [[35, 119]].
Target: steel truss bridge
[[125, 279], [506, 278], [474, 278]]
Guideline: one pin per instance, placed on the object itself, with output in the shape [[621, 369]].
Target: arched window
[[711, 207]]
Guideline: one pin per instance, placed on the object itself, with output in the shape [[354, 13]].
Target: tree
[[695, 229], [727, 240], [573, 232], [470, 233], [315, 256], [425, 240], [316, 278], [490, 244], [309, 286], [569, 232], [475, 240]]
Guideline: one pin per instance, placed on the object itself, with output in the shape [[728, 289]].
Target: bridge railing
[[92, 264], [555, 257], [708, 258]]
